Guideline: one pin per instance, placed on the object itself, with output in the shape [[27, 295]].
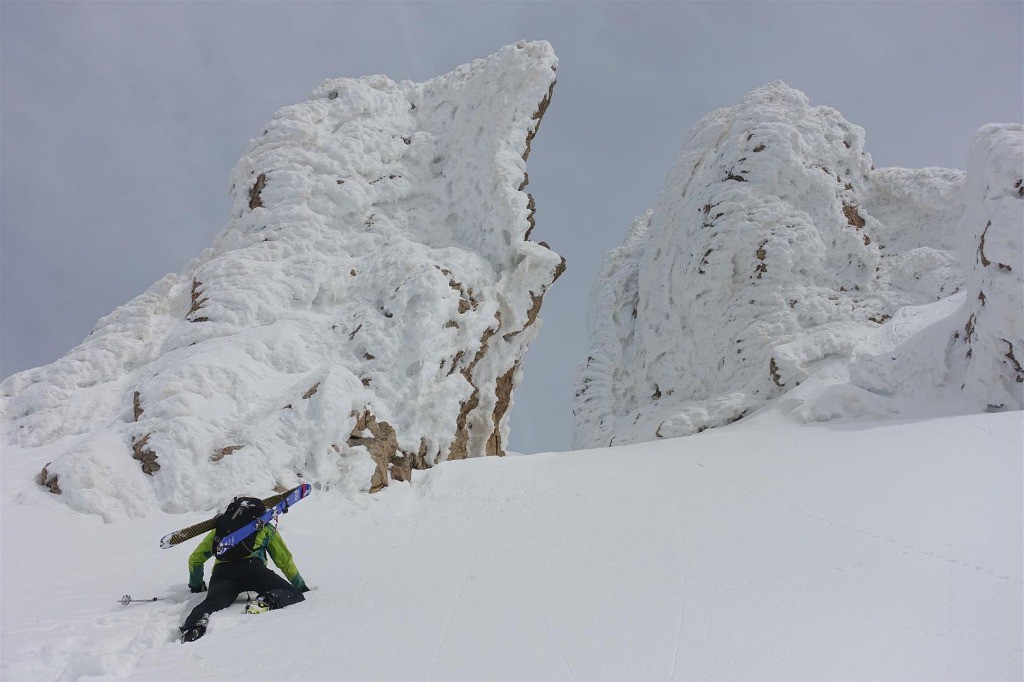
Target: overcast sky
[[121, 122]]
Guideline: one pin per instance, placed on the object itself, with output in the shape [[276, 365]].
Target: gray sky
[[120, 124]]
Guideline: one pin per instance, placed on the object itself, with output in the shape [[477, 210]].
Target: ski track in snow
[[443, 636], [682, 594], [781, 504], [801, 547]]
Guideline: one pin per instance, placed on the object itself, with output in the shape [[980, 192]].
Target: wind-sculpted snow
[[365, 312], [992, 339], [779, 262]]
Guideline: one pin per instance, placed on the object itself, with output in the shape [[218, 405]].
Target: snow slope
[[779, 262], [365, 312], [760, 551]]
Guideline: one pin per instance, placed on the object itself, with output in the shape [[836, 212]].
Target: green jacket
[[267, 540]]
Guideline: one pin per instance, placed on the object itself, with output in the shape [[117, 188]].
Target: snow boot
[[193, 633], [258, 605]]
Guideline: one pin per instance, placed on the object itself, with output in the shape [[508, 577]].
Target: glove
[[201, 587]]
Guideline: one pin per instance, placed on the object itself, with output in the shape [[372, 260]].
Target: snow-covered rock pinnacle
[[779, 261], [989, 348], [365, 312]]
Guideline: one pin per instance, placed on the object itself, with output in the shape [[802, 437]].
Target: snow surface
[[367, 309], [779, 265], [376, 268], [760, 551]]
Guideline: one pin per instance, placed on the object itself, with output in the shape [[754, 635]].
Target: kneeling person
[[241, 568]]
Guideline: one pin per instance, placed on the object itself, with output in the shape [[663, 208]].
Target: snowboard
[[193, 531], [233, 538]]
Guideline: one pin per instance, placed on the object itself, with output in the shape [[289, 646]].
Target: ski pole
[[127, 599]]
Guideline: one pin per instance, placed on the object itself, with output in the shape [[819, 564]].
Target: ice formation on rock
[[779, 262], [990, 347], [364, 313]]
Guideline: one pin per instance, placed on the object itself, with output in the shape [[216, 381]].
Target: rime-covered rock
[[364, 313], [779, 261], [992, 339]]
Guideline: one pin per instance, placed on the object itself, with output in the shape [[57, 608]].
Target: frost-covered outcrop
[[779, 261], [989, 348], [365, 312]]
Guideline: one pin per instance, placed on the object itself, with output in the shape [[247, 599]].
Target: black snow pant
[[231, 578]]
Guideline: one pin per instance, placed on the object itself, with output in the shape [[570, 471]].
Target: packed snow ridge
[[780, 267], [365, 312]]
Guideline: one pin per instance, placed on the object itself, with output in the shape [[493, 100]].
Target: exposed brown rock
[[382, 443], [1018, 371], [401, 469], [559, 270], [311, 392], [460, 443], [197, 299], [402, 464], [224, 452], [761, 254], [145, 455], [538, 116], [503, 393], [48, 480], [531, 205], [136, 407], [853, 216], [981, 247], [773, 369], [536, 301], [455, 361], [703, 262], [981, 252], [969, 327], [255, 200], [420, 460]]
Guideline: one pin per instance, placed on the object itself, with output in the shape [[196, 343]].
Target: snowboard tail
[[193, 531]]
